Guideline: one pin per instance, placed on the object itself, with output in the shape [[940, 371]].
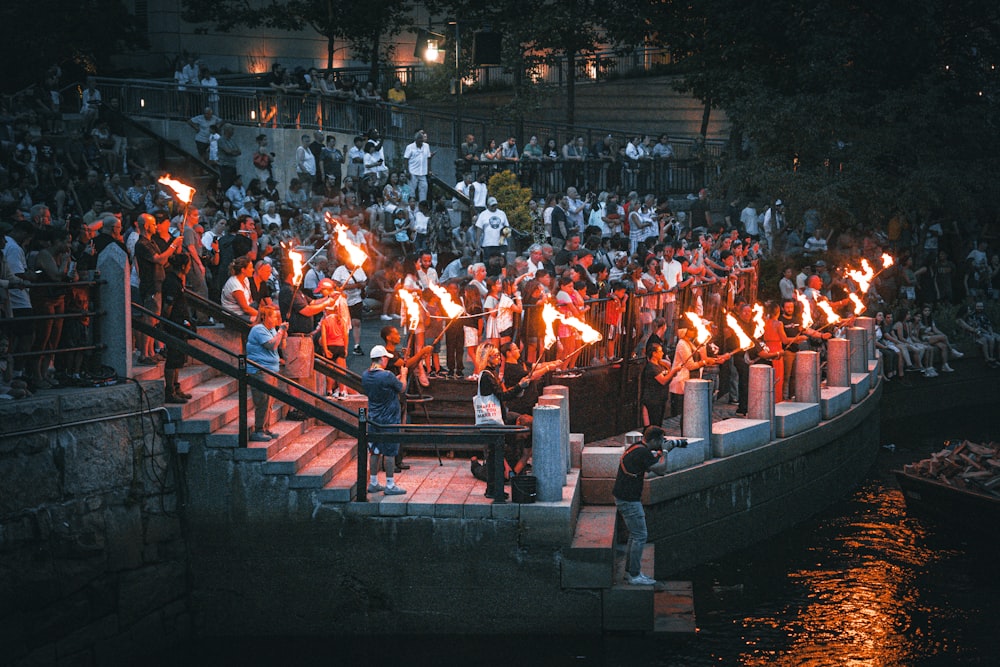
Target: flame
[[807, 319], [183, 192], [356, 256], [859, 305], [831, 316], [588, 334], [451, 309], [412, 306], [741, 336], [295, 257], [758, 319], [887, 260], [863, 278], [549, 316], [704, 335]]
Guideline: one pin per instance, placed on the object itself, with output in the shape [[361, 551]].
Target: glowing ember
[[745, 342], [412, 307], [356, 256], [758, 320], [451, 309], [183, 192], [831, 316], [887, 260], [295, 257], [704, 335], [859, 305], [549, 316], [863, 278], [588, 334], [807, 319]]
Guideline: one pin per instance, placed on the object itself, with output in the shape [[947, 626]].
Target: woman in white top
[[236, 292]]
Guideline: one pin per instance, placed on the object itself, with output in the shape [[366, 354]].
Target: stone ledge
[[791, 418], [733, 436], [861, 384], [834, 401]]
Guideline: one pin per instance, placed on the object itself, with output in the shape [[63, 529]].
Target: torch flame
[[588, 334], [859, 305], [451, 309], [549, 316], [356, 256], [704, 335], [295, 257], [758, 319], [411, 306], [863, 278], [831, 316], [887, 260], [807, 318], [183, 192], [745, 342]]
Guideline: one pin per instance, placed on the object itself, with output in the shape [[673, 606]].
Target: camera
[[678, 443]]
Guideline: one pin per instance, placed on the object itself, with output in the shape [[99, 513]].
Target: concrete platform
[[732, 436], [791, 418], [834, 401], [861, 384], [628, 607], [673, 608], [590, 560]]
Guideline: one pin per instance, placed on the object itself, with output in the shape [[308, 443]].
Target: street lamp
[[431, 51]]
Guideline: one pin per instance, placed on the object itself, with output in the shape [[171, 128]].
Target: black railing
[[91, 340]]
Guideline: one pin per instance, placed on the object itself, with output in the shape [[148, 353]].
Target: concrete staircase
[[306, 454], [594, 562]]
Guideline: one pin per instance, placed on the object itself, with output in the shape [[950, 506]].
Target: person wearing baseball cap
[[383, 390]]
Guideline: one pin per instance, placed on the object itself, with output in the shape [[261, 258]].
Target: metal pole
[[242, 365], [362, 455]]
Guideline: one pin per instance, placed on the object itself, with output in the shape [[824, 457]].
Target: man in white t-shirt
[[490, 226], [418, 156], [353, 283]]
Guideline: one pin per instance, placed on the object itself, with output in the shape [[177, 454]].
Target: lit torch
[[412, 307], [758, 320], [807, 319], [863, 278], [859, 305], [704, 335], [452, 309], [831, 315], [356, 256], [182, 192], [887, 260], [744, 340]]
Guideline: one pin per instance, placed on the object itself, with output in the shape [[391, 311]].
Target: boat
[[959, 484]]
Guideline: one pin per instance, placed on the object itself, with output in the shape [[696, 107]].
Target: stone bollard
[[116, 297], [562, 391], [838, 362], [761, 397], [807, 376], [859, 349], [698, 409], [546, 456], [868, 324]]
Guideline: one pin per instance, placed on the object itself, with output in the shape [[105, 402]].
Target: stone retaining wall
[[94, 567]]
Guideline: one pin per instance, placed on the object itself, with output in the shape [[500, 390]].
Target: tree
[[366, 26], [35, 35]]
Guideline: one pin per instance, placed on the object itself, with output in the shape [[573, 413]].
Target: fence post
[[362, 455], [242, 393]]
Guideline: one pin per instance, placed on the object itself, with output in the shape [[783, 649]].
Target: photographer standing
[[646, 456]]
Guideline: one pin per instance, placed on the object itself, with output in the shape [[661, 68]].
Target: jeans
[[635, 520]]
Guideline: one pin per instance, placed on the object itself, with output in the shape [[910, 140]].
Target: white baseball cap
[[379, 351]]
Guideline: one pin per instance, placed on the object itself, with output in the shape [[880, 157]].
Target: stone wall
[[93, 568]]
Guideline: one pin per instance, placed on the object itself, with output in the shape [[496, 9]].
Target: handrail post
[[362, 455], [242, 384]]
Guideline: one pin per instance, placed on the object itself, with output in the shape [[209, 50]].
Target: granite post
[[761, 397], [859, 349], [838, 362], [698, 409], [115, 327], [807, 376], [562, 391], [868, 324], [546, 455]]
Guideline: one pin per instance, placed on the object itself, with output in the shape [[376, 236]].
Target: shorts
[[337, 351], [507, 333], [471, 336], [357, 310], [384, 448], [299, 357], [153, 302]]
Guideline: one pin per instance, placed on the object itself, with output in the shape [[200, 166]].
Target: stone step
[[296, 453], [343, 488], [213, 417], [226, 435], [204, 396], [673, 608], [337, 457], [589, 561], [628, 607]]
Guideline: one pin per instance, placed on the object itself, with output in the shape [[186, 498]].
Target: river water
[[863, 584]]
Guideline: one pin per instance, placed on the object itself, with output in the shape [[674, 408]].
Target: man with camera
[[646, 456]]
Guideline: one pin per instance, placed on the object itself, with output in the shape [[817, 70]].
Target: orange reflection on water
[[869, 613]]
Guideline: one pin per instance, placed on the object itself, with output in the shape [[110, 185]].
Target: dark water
[[863, 584]]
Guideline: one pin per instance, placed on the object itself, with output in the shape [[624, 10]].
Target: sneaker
[[639, 580], [375, 488], [271, 434], [146, 361], [945, 368], [930, 373], [955, 354], [394, 491], [473, 377], [173, 399], [259, 436], [358, 351], [386, 318]]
